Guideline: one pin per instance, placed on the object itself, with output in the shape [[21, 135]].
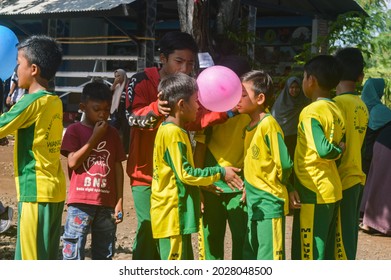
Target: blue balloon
[[8, 52]]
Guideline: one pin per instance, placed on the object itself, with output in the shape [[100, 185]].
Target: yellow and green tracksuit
[[320, 130], [267, 167], [352, 176], [40, 181], [175, 198], [224, 148]]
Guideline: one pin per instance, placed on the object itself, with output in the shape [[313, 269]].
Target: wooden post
[[147, 22]]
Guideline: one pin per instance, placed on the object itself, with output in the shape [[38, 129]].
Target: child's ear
[[261, 98], [82, 107], [163, 58], [35, 70], [311, 81], [181, 104]]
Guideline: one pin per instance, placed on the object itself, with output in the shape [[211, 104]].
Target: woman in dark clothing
[[379, 118]]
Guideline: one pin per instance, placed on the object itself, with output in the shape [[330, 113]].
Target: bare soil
[[370, 247]]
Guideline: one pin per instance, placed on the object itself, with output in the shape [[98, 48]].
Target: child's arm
[[281, 158], [75, 159], [119, 181], [200, 177], [284, 160], [142, 113], [324, 148]]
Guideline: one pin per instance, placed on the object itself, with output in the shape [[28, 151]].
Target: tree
[[371, 33]]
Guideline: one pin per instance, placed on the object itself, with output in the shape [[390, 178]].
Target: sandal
[[366, 229]]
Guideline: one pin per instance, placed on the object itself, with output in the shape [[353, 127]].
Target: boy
[[175, 202], [227, 207], [94, 153], [350, 168], [320, 131], [145, 112], [40, 180], [267, 167]]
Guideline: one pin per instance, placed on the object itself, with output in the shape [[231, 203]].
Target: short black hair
[[326, 70], [352, 63], [97, 91], [176, 40], [43, 51], [262, 83], [177, 86]]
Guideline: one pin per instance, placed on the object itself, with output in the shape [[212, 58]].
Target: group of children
[[165, 175]]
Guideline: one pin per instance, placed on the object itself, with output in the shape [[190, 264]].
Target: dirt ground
[[370, 247]]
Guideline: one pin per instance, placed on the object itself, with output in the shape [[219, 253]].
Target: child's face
[[248, 102], [24, 71], [95, 110], [190, 108], [180, 61]]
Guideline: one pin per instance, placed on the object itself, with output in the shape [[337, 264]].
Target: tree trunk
[[227, 15]]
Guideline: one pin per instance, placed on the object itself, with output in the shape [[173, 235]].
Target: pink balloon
[[220, 88]]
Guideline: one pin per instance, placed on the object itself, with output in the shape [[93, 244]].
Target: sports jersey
[[175, 201], [144, 119], [94, 182], [321, 128], [37, 119], [267, 167], [225, 144], [356, 115]]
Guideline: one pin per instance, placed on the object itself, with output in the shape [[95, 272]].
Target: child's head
[[352, 64], [257, 92], [322, 72], [39, 56], [180, 90], [96, 102], [178, 52]]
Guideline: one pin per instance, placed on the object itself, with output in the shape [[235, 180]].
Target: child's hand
[[118, 214], [232, 179], [213, 189], [294, 200], [100, 129], [243, 198], [162, 105]]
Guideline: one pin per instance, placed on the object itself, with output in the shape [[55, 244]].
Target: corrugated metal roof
[[29, 7], [325, 8]]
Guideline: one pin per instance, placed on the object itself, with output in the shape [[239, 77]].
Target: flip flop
[[366, 229]]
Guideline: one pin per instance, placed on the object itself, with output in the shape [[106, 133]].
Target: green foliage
[[241, 36], [370, 33]]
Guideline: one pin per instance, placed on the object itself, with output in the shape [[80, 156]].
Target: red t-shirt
[[94, 181]]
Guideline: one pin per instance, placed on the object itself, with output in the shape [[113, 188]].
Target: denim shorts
[[83, 219]]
